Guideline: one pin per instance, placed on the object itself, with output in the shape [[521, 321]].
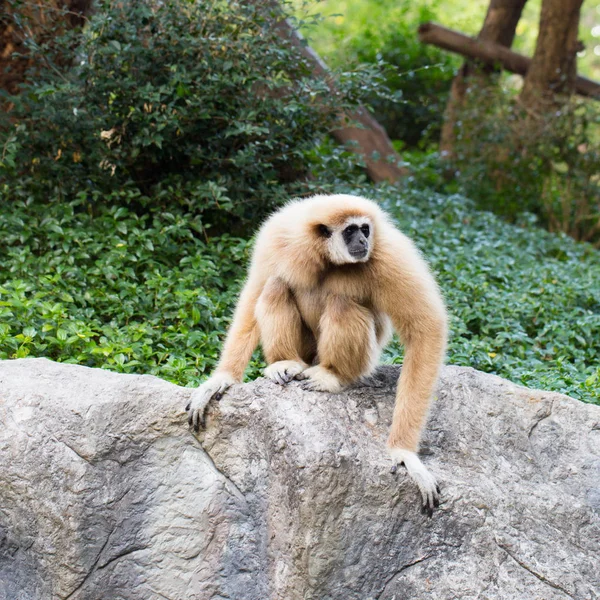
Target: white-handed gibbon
[[330, 276]]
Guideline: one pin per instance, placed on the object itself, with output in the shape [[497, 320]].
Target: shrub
[[547, 165], [114, 289], [419, 75], [197, 103], [524, 303]]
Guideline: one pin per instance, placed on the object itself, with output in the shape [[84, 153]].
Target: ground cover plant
[[150, 294]]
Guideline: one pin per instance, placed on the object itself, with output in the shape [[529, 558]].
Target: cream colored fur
[[309, 302]]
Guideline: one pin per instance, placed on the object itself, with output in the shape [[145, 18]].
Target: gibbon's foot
[[319, 379], [430, 490], [283, 371], [211, 388]]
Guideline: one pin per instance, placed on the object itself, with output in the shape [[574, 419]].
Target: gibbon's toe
[[319, 379], [426, 482], [284, 371]]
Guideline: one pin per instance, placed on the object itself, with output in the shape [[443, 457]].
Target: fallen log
[[491, 53]]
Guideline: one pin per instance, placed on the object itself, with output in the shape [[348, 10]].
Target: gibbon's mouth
[[359, 253]]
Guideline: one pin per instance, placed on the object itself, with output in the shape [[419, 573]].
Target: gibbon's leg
[[281, 331], [425, 343], [241, 341], [347, 345]]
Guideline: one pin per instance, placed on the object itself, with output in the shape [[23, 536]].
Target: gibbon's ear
[[324, 230]]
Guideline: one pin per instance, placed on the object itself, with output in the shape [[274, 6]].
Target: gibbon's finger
[[198, 420], [427, 509], [430, 505], [429, 499], [187, 407], [190, 417], [300, 376]]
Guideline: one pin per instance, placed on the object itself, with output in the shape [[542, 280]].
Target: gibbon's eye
[[324, 231], [365, 230], [351, 229]]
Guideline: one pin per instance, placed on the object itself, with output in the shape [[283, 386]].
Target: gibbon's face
[[350, 243]]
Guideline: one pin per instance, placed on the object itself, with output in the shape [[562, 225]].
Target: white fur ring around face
[[284, 371], [430, 491], [319, 379], [211, 388]]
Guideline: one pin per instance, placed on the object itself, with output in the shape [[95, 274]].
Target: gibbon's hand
[[428, 486], [211, 388]]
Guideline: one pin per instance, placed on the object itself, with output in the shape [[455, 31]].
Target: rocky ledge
[[106, 494]]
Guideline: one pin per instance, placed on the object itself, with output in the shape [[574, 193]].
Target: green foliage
[[112, 171], [420, 75], [525, 304], [548, 164], [193, 103]]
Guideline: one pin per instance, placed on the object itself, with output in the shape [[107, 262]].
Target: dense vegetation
[[116, 196], [148, 295], [198, 104]]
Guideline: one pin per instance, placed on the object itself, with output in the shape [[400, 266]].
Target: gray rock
[[106, 494]]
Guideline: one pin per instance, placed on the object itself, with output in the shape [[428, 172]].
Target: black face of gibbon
[[356, 239]]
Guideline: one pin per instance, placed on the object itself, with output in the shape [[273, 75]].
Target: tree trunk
[[498, 27], [38, 21], [553, 68]]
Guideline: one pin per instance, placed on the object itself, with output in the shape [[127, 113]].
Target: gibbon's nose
[[359, 247]]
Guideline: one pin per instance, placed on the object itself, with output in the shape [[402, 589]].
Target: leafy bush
[[419, 75], [548, 165], [197, 103], [525, 304]]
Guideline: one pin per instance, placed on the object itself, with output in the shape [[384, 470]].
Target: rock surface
[[106, 494]]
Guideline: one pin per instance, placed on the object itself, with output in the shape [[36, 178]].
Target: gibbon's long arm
[[410, 297], [243, 334], [241, 341], [424, 340]]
